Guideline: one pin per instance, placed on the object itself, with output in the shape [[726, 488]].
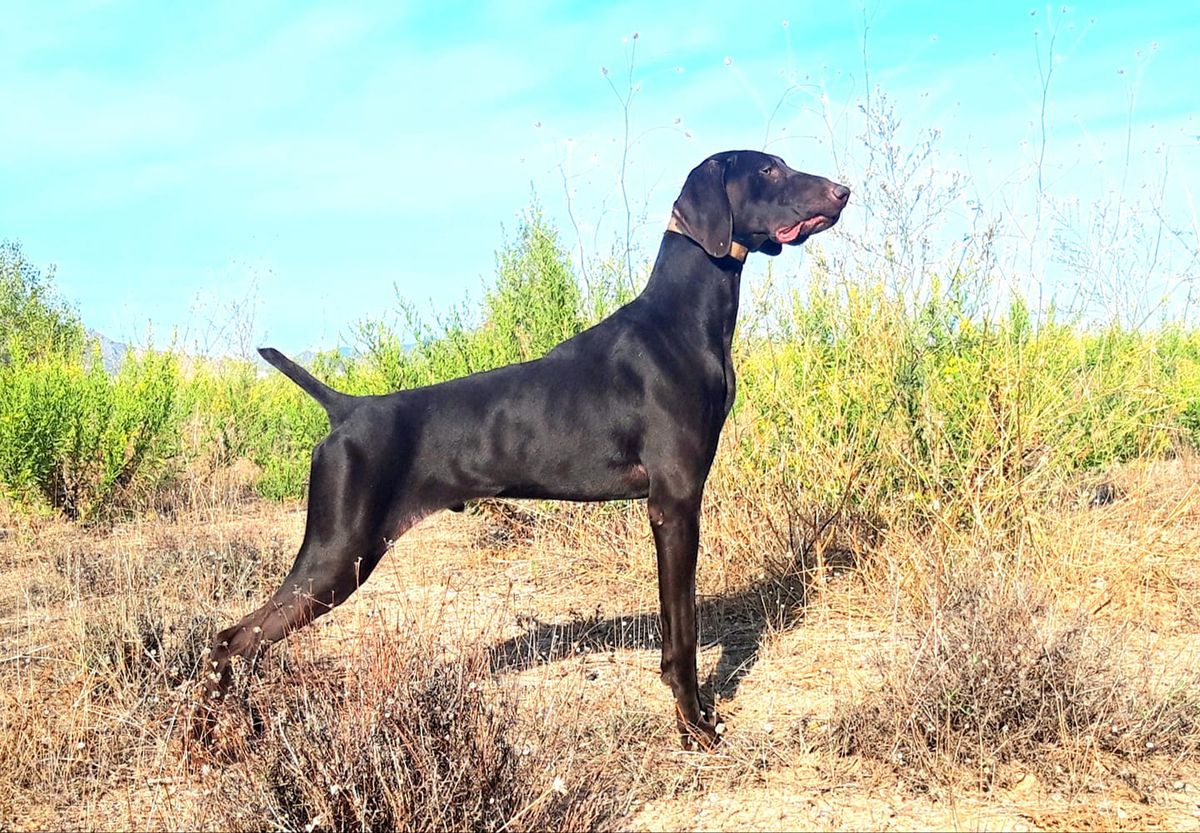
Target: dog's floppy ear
[[703, 209]]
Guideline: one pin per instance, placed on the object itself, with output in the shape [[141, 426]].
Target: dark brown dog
[[631, 408]]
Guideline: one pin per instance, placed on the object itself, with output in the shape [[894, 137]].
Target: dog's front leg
[[676, 526]]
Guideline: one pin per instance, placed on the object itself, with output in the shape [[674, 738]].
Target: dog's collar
[[736, 250]]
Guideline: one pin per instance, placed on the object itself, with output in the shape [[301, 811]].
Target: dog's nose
[[841, 193]]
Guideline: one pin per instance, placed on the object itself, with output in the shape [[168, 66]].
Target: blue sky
[[175, 159]]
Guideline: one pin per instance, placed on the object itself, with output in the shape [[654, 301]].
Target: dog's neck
[[700, 291], [736, 250]]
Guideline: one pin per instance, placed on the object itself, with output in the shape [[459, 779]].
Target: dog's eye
[[767, 171]]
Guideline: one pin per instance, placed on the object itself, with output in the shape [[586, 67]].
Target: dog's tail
[[335, 403]]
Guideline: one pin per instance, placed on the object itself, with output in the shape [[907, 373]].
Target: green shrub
[[849, 391], [534, 304], [899, 398], [72, 436], [33, 321], [76, 438]]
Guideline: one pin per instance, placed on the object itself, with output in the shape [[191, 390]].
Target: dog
[[631, 408]]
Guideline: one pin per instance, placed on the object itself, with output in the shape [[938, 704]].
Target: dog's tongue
[[787, 235]]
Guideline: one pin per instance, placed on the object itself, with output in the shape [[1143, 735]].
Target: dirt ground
[[794, 679], [573, 635]]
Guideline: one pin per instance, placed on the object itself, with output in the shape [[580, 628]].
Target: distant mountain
[[112, 353], [308, 355]]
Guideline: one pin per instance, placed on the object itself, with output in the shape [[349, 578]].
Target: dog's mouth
[[801, 231]]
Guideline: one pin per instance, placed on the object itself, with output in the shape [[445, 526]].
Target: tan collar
[[736, 250]]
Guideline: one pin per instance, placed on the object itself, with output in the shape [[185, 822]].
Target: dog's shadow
[[737, 622]]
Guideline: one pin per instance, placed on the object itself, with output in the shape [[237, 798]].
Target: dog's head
[[755, 199]]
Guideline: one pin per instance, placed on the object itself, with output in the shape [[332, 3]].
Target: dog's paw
[[702, 736]]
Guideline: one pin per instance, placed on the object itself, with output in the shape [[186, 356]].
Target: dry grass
[[403, 734], [997, 678], [500, 671]]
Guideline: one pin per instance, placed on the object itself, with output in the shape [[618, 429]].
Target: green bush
[[72, 436], [534, 304], [33, 320], [77, 438], [850, 392], [850, 389]]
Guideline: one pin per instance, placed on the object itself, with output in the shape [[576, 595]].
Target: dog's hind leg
[[348, 530]]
